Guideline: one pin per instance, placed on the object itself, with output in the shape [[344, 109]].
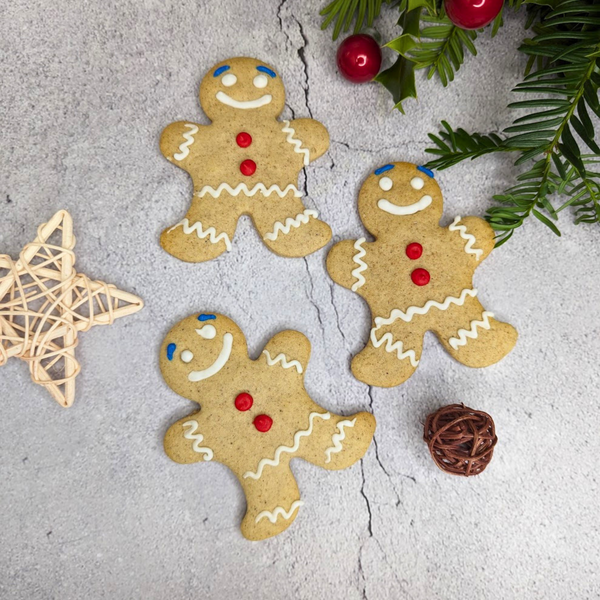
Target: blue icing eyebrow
[[221, 70], [383, 169], [206, 317], [171, 350], [266, 70], [426, 171]]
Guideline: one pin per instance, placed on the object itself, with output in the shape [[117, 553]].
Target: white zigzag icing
[[296, 142], [463, 334], [272, 516], [290, 449], [242, 187], [211, 232], [411, 311], [362, 266], [398, 347], [197, 438], [282, 358], [184, 148], [337, 438], [470, 238], [300, 219]]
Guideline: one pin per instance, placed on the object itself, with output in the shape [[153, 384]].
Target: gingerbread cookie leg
[[473, 337], [272, 503], [391, 355], [205, 232], [288, 228], [340, 441]]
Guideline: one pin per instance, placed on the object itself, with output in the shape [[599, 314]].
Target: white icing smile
[[245, 105], [411, 209], [218, 364]]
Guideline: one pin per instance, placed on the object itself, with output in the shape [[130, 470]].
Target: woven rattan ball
[[461, 440]]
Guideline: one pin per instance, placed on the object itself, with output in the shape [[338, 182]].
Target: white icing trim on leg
[[463, 334], [211, 232], [274, 462], [290, 222], [283, 359], [197, 438], [391, 346], [470, 238], [337, 438], [242, 187], [296, 142], [188, 136], [279, 511], [362, 266]]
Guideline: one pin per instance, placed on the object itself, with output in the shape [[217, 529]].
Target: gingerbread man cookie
[[416, 277], [256, 416], [244, 162]]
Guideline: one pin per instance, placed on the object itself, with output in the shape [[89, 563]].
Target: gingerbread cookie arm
[[339, 442], [347, 264], [477, 235], [309, 138], [184, 441], [288, 351], [177, 140]]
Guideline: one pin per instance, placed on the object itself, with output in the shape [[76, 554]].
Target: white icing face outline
[[219, 363]]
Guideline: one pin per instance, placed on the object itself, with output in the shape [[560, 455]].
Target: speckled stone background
[[91, 507]]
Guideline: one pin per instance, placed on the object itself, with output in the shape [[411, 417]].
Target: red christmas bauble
[[359, 58], [472, 14]]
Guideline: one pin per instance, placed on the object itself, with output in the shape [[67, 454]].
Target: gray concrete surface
[[90, 506]]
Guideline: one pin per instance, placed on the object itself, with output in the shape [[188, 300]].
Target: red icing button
[[243, 139], [243, 401], [263, 423], [414, 251], [420, 277], [248, 167]]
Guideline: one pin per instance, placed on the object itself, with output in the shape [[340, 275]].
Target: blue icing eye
[[266, 70], [221, 70], [383, 169], [206, 317], [426, 171], [171, 350]]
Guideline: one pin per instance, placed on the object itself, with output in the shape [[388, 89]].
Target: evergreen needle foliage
[[559, 95]]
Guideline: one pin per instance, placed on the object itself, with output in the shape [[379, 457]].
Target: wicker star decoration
[[45, 303]]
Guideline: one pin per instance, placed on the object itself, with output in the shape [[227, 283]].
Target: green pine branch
[[564, 68]]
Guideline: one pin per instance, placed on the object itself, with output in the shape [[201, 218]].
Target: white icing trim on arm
[[282, 358], [290, 222], [411, 209], [470, 238], [188, 136], [279, 511], [242, 187], [274, 462], [218, 364], [296, 142], [244, 105], [211, 232], [362, 266], [463, 334], [337, 438], [391, 346], [197, 438]]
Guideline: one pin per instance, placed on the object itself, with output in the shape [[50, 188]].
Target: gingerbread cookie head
[[198, 348], [398, 191], [238, 87]]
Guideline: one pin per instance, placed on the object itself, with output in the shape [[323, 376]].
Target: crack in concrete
[[367, 502], [335, 310], [310, 296]]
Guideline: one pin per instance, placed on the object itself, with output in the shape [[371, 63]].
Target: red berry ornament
[[472, 14], [359, 58]]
